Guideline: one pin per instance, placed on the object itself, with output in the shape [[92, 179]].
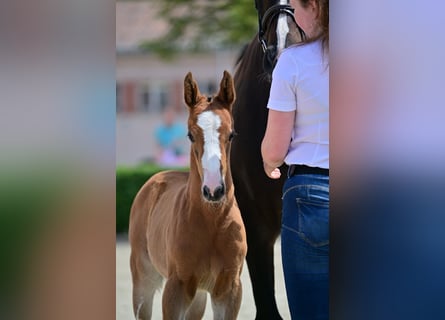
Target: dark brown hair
[[323, 19]]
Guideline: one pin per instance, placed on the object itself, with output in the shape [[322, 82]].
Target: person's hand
[[272, 172]]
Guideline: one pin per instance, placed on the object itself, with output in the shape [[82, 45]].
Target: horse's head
[[210, 130], [277, 29]]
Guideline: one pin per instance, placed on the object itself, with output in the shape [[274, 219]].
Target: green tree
[[199, 25]]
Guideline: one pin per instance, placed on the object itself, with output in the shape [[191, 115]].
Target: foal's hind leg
[[146, 280]]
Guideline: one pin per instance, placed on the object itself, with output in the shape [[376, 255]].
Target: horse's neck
[[250, 61], [252, 88]]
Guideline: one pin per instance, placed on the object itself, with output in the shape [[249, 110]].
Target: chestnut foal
[[186, 226]]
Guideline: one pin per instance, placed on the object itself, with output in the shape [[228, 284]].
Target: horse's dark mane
[[241, 54], [250, 58]]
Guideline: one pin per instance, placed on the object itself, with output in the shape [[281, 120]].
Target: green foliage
[[29, 193], [197, 25], [128, 182]]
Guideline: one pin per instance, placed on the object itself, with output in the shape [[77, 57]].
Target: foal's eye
[[189, 135], [232, 135]]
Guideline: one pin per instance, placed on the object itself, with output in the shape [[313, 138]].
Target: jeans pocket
[[313, 221]]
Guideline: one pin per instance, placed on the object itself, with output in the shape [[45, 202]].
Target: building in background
[[146, 84]]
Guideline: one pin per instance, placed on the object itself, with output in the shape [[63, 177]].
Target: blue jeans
[[305, 245]]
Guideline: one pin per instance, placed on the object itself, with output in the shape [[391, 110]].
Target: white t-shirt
[[300, 81]]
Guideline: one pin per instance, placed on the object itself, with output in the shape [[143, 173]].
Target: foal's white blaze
[[210, 122], [282, 29]]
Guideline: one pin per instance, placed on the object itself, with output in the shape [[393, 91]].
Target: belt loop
[[290, 170]]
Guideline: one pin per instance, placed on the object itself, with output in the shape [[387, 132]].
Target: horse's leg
[[146, 280], [177, 297], [226, 297], [260, 263], [198, 306], [227, 307]]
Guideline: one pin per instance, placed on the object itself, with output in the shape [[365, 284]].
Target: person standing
[[297, 134], [171, 141]]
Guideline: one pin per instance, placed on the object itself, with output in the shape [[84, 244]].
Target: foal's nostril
[[206, 192], [219, 192]]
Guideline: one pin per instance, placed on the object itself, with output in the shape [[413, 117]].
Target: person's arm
[[276, 141]]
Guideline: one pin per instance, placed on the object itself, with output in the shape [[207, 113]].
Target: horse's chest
[[205, 250], [209, 251], [216, 270]]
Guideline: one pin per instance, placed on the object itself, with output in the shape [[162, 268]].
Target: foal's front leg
[[177, 298], [227, 302]]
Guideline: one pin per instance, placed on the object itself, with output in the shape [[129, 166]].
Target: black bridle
[[270, 51]]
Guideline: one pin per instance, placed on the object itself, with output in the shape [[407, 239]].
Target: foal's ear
[[191, 90], [226, 92]]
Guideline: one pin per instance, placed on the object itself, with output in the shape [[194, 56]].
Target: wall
[[134, 127]]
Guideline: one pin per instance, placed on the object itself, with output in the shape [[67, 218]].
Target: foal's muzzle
[[215, 195]]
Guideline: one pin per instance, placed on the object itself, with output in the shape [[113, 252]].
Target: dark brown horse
[[259, 197]]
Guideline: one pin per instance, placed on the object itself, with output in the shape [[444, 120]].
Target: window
[[144, 97], [119, 98]]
